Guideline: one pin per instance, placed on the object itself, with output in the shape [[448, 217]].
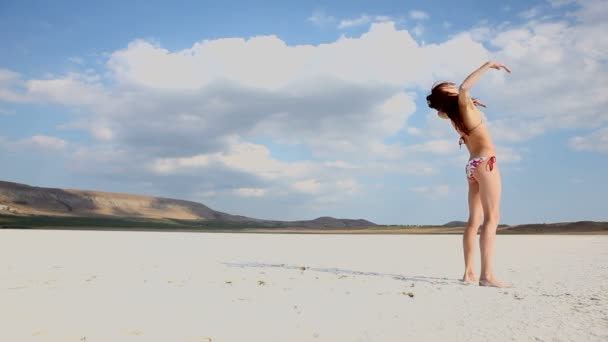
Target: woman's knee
[[474, 221], [491, 220]]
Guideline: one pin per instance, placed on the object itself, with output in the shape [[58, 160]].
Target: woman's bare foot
[[469, 277], [492, 283]]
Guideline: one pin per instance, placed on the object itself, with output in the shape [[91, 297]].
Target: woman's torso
[[478, 140]]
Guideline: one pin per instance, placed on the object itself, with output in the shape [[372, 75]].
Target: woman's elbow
[[464, 87]]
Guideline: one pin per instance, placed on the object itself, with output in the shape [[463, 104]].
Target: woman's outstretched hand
[[498, 66], [472, 78]]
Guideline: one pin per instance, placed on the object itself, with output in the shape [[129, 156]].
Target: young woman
[[482, 171]]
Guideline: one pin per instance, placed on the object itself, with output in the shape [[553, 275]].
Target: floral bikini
[[474, 162]]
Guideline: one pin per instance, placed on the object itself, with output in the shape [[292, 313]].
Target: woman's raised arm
[[463, 91]]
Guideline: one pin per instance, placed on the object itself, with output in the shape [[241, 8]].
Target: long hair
[[447, 103]]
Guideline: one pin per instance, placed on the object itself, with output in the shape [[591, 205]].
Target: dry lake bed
[[160, 286]]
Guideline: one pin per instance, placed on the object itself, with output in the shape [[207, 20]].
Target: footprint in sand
[[91, 278]]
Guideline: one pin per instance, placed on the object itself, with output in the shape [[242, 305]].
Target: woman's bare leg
[[469, 238], [490, 188]]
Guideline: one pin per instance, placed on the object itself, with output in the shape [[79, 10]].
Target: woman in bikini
[[456, 104]]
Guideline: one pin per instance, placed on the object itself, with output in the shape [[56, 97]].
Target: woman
[[482, 170]]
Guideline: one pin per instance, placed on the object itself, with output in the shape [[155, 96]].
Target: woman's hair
[[447, 103]]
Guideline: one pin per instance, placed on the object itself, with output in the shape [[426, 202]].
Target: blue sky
[[294, 110]]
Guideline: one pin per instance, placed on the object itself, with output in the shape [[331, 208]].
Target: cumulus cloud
[[384, 55], [334, 98], [36, 143], [432, 191], [76, 60], [594, 142], [418, 29], [4, 111], [559, 74], [319, 18], [253, 159], [194, 115], [177, 116], [530, 13], [363, 20], [419, 15], [250, 192], [10, 86]]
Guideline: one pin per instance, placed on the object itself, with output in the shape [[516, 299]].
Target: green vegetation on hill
[[11, 221]]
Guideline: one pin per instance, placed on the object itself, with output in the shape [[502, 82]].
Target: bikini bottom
[[475, 162]]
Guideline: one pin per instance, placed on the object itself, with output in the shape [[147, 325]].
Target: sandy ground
[[148, 286]]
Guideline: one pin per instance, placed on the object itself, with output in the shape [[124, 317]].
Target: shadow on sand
[[341, 271]]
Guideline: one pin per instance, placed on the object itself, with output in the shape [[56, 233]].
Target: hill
[[30, 201]]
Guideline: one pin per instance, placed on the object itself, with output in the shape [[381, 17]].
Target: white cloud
[[250, 192], [319, 18], [98, 128], [38, 143], [362, 20], [255, 160], [267, 62], [433, 191], [440, 146], [419, 15], [10, 86], [507, 154], [415, 131], [311, 186], [7, 111], [587, 11], [559, 3], [518, 130], [559, 76], [7, 75], [194, 113], [338, 164], [594, 142], [76, 60], [530, 13], [73, 89], [418, 30]]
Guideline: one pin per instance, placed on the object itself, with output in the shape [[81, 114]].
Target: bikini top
[[462, 140]]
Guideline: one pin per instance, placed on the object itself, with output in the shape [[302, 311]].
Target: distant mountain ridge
[[22, 199]]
